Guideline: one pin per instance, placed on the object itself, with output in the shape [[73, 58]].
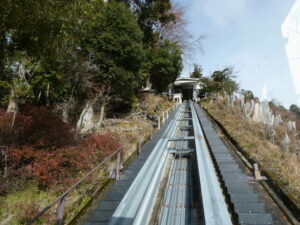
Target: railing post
[[158, 125], [60, 211], [118, 165], [257, 174], [167, 114], [151, 132], [163, 119], [140, 146]]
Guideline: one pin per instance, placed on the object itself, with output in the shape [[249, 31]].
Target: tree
[[30, 34], [221, 81], [208, 86], [115, 44], [175, 31], [151, 14], [248, 95], [64, 52], [224, 81], [197, 73], [295, 109], [164, 65]]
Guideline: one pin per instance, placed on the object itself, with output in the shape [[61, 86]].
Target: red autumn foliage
[[103, 144], [5, 127], [42, 128], [35, 126], [41, 148], [60, 167]]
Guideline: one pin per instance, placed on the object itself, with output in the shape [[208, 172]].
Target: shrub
[[5, 127], [101, 144], [40, 127], [35, 126], [59, 167]]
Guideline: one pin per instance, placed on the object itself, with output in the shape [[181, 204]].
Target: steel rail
[[137, 205], [176, 208], [179, 199], [62, 198], [142, 192], [214, 206]]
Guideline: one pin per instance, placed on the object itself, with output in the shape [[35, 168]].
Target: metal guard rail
[[62, 198]]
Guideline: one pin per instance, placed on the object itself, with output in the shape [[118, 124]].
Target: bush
[[35, 126], [101, 145], [59, 167], [5, 127], [42, 128]]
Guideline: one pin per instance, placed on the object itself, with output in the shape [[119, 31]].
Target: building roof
[[186, 81]]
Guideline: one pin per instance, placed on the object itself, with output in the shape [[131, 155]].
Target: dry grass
[[130, 131], [154, 104], [282, 168]]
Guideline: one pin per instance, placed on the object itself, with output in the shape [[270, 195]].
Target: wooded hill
[[60, 60], [64, 54]]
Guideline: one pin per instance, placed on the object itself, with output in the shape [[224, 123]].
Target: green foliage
[[4, 92], [221, 81], [116, 42], [295, 109], [165, 65], [197, 73], [224, 82], [247, 94], [72, 48], [30, 198], [151, 14]]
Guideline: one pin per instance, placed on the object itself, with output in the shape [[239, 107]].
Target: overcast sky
[[249, 35]]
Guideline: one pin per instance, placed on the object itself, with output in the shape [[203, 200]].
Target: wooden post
[[163, 118], [158, 125], [151, 132], [118, 165], [60, 211], [257, 174], [140, 146]]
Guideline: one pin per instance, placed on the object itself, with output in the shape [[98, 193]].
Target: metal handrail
[[164, 115], [61, 199]]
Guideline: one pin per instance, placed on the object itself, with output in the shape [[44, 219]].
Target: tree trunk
[[65, 112], [5, 163], [85, 123], [12, 105], [101, 117]]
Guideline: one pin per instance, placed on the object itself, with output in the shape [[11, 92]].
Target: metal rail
[[60, 201], [137, 206], [176, 206], [139, 199], [215, 210]]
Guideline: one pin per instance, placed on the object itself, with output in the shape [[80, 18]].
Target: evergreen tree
[[197, 73], [295, 109]]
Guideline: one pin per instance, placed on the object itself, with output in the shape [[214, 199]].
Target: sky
[[259, 38]]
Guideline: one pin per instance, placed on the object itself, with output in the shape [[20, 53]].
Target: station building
[[185, 89]]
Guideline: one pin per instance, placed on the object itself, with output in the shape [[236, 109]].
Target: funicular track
[[189, 177]]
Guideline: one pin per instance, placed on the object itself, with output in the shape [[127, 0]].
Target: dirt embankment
[[282, 168]]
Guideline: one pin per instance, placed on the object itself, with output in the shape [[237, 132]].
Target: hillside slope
[[281, 166]]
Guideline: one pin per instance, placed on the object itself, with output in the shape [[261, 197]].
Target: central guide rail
[[178, 183]]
